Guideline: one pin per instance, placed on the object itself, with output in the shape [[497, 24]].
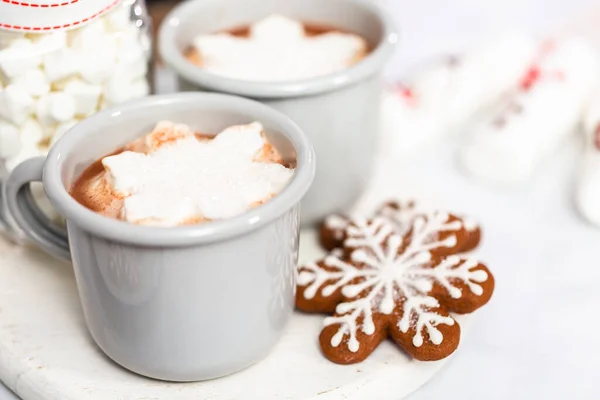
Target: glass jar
[[51, 80]]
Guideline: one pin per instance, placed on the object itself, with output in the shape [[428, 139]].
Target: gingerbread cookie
[[403, 286], [399, 212]]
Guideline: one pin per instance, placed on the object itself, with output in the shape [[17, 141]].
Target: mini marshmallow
[[27, 151], [55, 108], [50, 42], [19, 57], [34, 81], [62, 64], [85, 95], [132, 69], [119, 90], [118, 19], [89, 35], [10, 142], [132, 62], [16, 104], [587, 196], [509, 146], [98, 62], [31, 133], [61, 129], [56, 78]]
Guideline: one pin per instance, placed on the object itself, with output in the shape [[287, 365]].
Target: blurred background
[[430, 27]]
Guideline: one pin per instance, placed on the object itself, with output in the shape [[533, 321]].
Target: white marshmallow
[[279, 52], [34, 81], [165, 188], [35, 70], [16, 104], [19, 57], [62, 64], [132, 70], [487, 74], [55, 108], [61, 129], [10, 142], [508, 147], [99, 62], [451, 93], [406, 125], [587, 196], [412, 117], [131, 36], [119, 90], [287, 29], [89, 35], [131, 61], [50, 42], [118, 19], [27, 151], [31, 133], [85, 95]]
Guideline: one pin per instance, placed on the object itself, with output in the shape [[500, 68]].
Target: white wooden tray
[[46, 352]]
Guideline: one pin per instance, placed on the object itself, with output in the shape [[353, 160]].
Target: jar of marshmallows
[[63, 60]]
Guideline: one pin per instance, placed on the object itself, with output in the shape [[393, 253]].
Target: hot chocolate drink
[[174, 176], [277, 48]]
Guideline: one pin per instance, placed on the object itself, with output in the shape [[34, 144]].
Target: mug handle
[[25, 213]]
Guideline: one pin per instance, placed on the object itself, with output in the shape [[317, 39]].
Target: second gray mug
[[338, 112]]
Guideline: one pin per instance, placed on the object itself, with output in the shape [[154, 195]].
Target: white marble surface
[[537, 338]]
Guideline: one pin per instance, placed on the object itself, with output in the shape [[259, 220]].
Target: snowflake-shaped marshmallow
[[277, 48], [403, 286], [183, 178]]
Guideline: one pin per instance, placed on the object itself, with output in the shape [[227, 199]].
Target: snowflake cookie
[[402, 285], [399, 212]]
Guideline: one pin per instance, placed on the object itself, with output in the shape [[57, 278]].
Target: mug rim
[[208, 232], [174, 58]]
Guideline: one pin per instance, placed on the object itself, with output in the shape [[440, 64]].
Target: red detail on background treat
[[535, 73], [547, 46], [24, 4], [531, 77], [406, 94], [597, 137], [63, 26], [511, 109]]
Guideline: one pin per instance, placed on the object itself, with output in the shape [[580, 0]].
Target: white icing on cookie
[[542, 112], [387, 278], [337, 224], [277, 49], [183, 178]]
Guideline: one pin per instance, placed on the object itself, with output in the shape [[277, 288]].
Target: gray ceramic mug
[[338, 112], [185, 303]]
